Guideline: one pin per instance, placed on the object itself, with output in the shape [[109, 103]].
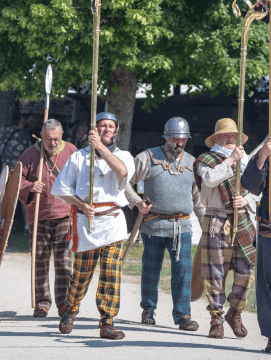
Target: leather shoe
[[188, 324], [66, 323], [40, 313], [109, 332], [148, 317], [268, 347]]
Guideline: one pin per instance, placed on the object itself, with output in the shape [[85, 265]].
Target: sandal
[[40, 313]]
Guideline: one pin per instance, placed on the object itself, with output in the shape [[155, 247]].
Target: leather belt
[[104, 204], [165, 216], [214, 211], [263, 222], [106, 212]]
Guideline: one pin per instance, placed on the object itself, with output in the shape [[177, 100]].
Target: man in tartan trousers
[[113, 170], [53, 217], [215, 175]]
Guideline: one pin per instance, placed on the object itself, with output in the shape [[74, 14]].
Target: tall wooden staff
[[269, 207], [255, 12], [96, 11], [48, 86]]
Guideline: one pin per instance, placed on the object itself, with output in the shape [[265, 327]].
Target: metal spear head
[[93, 6], [48, 80]]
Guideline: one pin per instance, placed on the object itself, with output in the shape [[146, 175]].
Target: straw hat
[[223, 126]]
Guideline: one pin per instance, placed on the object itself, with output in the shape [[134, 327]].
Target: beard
[[51, 150], [174, 149]]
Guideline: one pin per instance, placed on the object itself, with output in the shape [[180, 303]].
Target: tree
[[155, 42]]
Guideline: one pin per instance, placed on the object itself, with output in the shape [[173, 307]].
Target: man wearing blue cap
[[112, 172]]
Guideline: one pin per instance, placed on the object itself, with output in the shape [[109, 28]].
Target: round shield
[[8, 206]]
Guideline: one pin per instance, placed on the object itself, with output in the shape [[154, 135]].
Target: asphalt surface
[[23, 337]]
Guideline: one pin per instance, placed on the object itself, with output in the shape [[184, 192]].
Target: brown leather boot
[[109, 332], [268, 347], [216, 330], [234, 319]]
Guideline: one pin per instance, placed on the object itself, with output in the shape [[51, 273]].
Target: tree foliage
[[163, 41]]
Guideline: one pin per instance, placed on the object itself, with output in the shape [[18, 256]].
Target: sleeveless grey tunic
[[169, 194]]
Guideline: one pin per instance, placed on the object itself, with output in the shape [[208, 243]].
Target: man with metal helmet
[[112, 172], [167, 172]]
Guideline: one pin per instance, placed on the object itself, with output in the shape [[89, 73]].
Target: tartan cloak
[[245, 230]]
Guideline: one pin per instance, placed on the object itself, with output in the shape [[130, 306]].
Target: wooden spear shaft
[[48, 85], [269, 206], [96, 10]]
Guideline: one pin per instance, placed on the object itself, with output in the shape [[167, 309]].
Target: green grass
[[134, 268], [18, 241]]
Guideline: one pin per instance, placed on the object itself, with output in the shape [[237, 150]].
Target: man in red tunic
[[53, 217]]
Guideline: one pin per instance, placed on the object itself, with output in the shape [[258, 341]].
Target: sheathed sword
[[134, 231], [258, 219]]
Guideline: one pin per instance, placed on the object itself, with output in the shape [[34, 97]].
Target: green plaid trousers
[[108, 292]]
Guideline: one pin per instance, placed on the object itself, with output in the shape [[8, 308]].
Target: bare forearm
[[74, 200], [113, 162]]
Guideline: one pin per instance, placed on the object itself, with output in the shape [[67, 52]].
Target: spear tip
[[48, 79]]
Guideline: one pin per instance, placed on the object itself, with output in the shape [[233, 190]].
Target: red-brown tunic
[[50, 207]]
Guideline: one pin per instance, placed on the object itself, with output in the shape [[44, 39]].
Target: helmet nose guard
[[177, 127]]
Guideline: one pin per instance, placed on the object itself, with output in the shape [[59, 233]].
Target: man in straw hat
[[215, 173], [255, 179]]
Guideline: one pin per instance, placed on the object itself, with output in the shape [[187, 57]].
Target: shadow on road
[[73, 340]]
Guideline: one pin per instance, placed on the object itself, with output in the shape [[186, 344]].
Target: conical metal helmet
[[177, 127]]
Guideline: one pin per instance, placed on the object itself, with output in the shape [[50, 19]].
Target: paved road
[[23, 337]]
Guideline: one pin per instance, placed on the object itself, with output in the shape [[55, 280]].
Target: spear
[[269, 196], [48, 86], [96, 11], [255, 12]]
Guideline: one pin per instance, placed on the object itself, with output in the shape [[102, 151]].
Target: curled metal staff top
[[260, 5], [48, 79]]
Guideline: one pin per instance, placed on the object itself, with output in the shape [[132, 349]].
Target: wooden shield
[[8, 206], [197, 288], [3, 183]]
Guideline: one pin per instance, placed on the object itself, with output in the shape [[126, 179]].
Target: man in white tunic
[[112, 172]]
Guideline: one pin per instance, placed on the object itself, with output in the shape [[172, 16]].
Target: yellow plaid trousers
[[108, 292]]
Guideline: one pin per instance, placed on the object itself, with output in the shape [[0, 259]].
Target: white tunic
[[73, 179]]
